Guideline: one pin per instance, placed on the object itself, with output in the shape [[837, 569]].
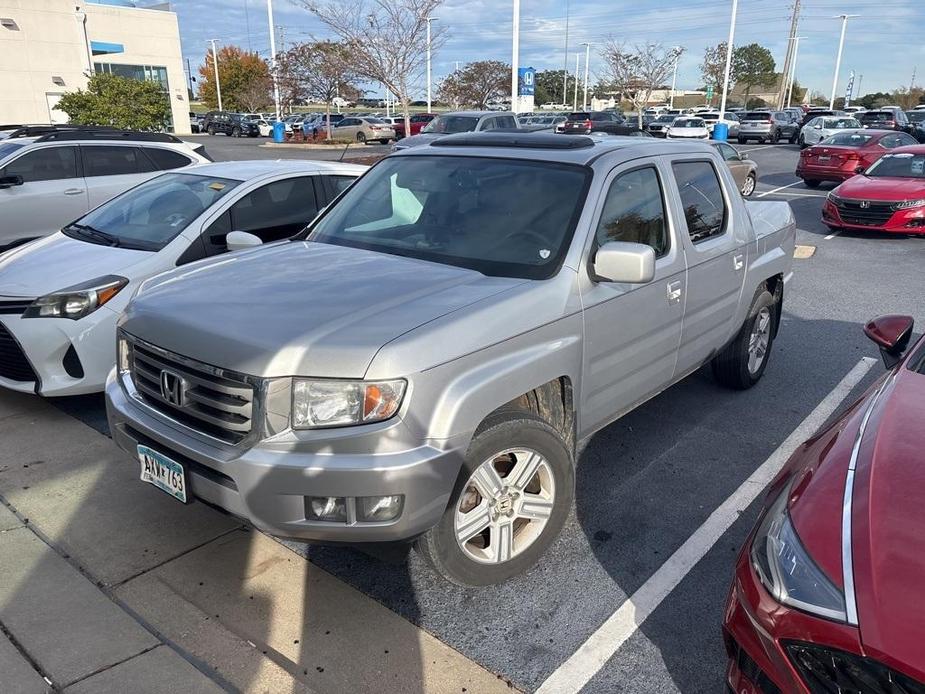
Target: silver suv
[[426, 361], [767, 126]]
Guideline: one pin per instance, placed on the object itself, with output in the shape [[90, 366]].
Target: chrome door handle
[[73, 191], [738, 262], [674, 292]]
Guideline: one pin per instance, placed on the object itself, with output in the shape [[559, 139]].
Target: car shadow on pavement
[[648, 481]]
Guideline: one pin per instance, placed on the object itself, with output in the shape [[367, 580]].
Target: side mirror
[[10, 181], [618, 261], [239, 240], [891, 334], [817, 127], [743, 156]]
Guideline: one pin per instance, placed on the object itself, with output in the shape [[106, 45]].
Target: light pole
[[674, 77], [273, 57], [429, 20], [218, 86], [515, 57], [732, 32], [584, 100], [565, 65], [841, 44], [575, 99], [793, 69]]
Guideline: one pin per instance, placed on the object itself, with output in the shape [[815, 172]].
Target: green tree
[[475, 84], [549, 87], [752, 65], [120, 102], [243, 78]]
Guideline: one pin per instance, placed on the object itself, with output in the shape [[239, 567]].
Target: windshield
[[665, 119], [899, 165], [848, 139], [757, 115], [451, 124], [840, 123], [916, 116], [689, 123], [7, 148], [150, 215], [464, 211]]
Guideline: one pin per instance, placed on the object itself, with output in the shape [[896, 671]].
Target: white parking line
[[594, 653], [774, 190], [801, 195], [832, 235]]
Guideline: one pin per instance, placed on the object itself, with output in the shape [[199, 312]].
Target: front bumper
[[268, 483], [910, 221], [46, 343], [755, 627]]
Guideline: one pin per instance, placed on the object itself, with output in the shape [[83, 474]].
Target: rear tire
[[361, 139], [748, 187], [211, 130], [742, 363], [742, 141], [236, 131], [802, 142], [811, 183], [793, 137], [775, 137], [510, 443]]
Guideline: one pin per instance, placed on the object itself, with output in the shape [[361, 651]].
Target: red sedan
[[417, 121], [889, 196], [838, 157], [828, 590]]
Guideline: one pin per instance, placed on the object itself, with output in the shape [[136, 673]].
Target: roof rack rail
[[28, 130], [515, 139], [103, 133]]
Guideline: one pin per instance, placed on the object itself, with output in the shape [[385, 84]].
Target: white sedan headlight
[[333, 403], [77, 301]]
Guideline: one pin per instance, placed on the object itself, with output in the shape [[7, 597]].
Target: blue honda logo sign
[[526, 81]]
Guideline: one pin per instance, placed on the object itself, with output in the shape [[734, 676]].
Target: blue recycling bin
[[721, 132], [279, 132]]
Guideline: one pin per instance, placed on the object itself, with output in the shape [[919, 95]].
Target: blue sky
[[884, 44]]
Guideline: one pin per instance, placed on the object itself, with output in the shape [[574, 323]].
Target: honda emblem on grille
[[864, 204], [173, 387]]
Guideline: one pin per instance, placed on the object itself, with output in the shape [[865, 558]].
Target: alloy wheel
[[504, 506], [748, 187], [759, 340]]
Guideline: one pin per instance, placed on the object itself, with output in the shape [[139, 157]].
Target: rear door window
[[166, 159], [701, 198], [45, 164], [111, 160]]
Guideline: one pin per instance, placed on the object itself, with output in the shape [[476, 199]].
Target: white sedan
[[61, 296], [821, 127], [688, 128]]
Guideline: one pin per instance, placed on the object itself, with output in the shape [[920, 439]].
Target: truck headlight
[[786, 569], [331, 403], [77, 301]]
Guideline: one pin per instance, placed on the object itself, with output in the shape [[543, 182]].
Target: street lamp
[[584, 101], [793, 70], [841, 43], [515, 58], [429, 20], [732, 31], [218, 86], [674, 77], [272, 58]]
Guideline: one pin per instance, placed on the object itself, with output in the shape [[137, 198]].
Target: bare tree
[[387, 39], [316, 71], [638, 70], [476, 83], [255, 94], [713, 67]]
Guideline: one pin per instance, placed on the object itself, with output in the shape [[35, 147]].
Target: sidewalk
[[107, 585]]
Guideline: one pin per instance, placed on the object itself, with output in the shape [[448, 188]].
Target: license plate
[[165, 474], [823, 157]]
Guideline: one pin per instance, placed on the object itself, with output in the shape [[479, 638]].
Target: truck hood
[[299, 308], [57, 262]]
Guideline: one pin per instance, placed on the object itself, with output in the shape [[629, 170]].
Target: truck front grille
[[204, 398]]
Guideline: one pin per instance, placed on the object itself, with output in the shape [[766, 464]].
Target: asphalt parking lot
[[224, 148], [676, 473]]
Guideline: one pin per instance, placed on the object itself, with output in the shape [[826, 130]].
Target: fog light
[[371, 509], [327, 508]]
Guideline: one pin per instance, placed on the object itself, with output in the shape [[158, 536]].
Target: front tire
[[361, 139], [775, 138], [742, 363], [211, 130], [811, 183], [793, 137], [509, 504], [236, 132], [748, 187], [742, 141]]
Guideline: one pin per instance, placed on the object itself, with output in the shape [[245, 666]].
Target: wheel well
[[553, 402], [775, 287]]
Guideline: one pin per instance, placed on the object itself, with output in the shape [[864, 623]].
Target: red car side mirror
[[891, 334]]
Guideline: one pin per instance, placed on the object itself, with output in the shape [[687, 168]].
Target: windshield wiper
[[96, 235]]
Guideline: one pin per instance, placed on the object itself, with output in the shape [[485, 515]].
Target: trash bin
[[721, 132], [279, 132]]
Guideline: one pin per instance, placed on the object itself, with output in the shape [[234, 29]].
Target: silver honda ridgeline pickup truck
[[426, 359]]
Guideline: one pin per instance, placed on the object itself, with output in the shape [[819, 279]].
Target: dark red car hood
[[890, 189], [888, 515], [888, 526]]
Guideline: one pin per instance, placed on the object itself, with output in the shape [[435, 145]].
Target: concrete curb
[[303, 145]]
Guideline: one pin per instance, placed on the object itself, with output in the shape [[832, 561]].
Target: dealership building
[[49, 47]]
